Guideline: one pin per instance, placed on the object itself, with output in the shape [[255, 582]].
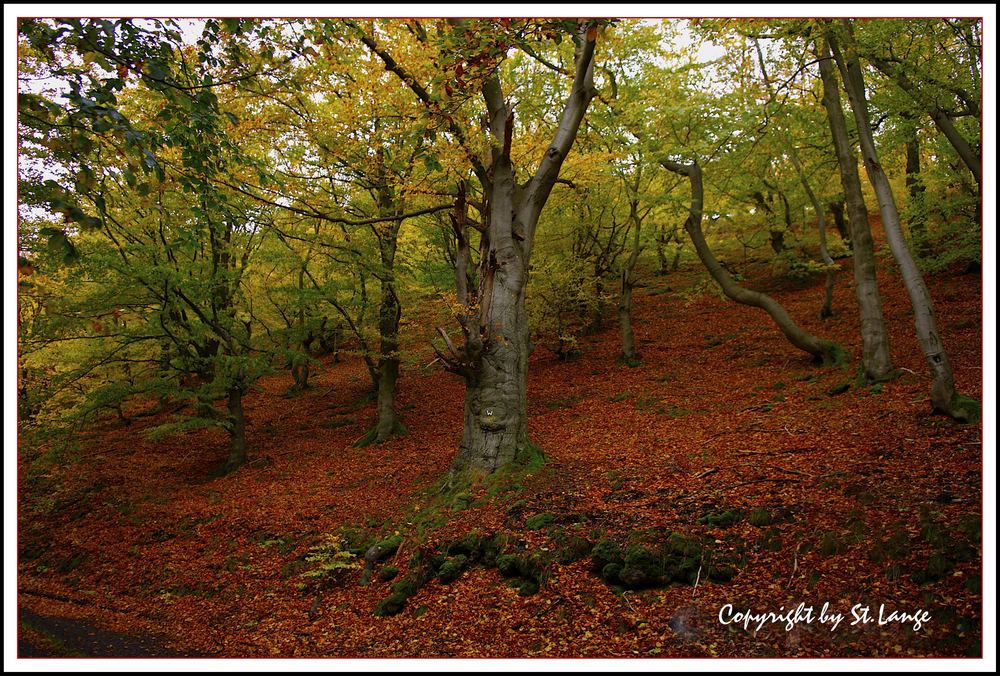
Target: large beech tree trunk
[[876, 359], [821, 350], [943, 396], [494, 358]]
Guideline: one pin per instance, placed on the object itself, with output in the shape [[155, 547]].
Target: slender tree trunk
[[915, 187], [237, 431], [661, 251], [837, 209], [776, 232], [821, 350], [386, 371], [300, 364], [876, 358], [596, 322], [788, 211], [629, 354], [388, 367], [943, 396], [831, 273]]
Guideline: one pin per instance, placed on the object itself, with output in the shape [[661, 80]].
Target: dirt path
[[49, 636]]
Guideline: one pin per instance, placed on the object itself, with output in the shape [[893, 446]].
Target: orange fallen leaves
[[163, 549]]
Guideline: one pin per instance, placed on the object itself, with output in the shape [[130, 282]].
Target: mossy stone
[[391, 605], [721, 519], [471, 546], [408, 586], [388, 573], [761, 517], [435, 561], [605, 552], [831, 544], [573, 549], [938, 566], [722, 573], [507, 565], [532, 566], [452, 569], [610, 572], [683, 546], [643, 567], [528, 588]]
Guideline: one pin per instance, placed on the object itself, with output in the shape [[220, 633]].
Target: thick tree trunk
[[876, 359], [496, 420], [494, 359], [388, 423], [821, 350], [943, 396], [237, 431]]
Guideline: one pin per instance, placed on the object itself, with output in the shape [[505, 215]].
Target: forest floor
[[835, 493]]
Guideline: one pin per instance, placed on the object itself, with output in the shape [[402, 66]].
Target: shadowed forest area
[[500, 338]]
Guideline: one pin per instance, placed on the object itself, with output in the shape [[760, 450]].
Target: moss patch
[[539, 521]]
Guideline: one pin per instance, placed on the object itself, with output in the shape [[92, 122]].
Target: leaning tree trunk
[[876, 359], [629, 354], [821, 350], [944, 398], [793, 155]]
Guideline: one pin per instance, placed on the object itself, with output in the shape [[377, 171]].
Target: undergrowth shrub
[[331, 558]]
